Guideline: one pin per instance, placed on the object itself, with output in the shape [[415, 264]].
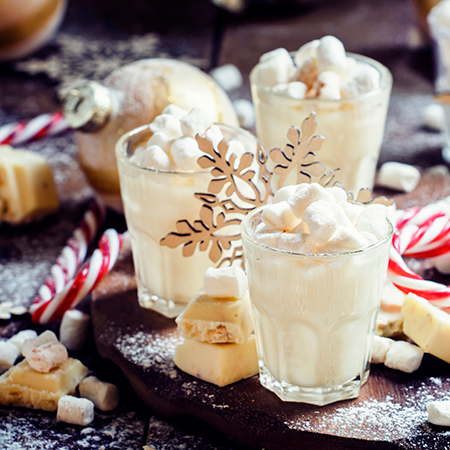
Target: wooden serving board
[[390, 412]]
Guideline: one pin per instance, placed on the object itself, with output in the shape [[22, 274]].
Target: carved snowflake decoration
[[7, 309]]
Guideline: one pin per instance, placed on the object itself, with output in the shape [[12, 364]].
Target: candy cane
[[34, 129], [90, 274], [73, 254]]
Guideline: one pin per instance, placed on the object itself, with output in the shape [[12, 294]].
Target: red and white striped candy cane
[[421, 233], [90, 274], [34, 129], [73, 254]]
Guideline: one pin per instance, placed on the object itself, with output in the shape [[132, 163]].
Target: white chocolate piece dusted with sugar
[[8, 355], [77, 411], [225, 282], [380, 347], [404, 356], [44, 338], [47, 356], [220, 364], [216, 320], [74, 329], [105, 396], [439, 413]]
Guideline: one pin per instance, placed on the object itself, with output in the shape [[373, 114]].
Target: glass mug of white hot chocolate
[[316, 266], [159, 177], [349, 93]]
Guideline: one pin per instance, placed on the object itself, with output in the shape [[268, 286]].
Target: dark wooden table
[[115, 33]]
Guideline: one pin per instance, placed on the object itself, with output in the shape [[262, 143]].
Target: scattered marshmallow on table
[[434, 117], [77, 411], [279, 216], [404, 356], [395, 175], [19, 338], [439, 413], [225, 282], [194, 123], [47, 356], [74, 329], [380, 347], [185, 153], [245, 112], [167, 123], [44, 338], [105, 396], [8, 355], [228, 76]]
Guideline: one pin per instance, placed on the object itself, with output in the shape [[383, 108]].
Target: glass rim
[[311, 256], [120, 150], [386, 81]]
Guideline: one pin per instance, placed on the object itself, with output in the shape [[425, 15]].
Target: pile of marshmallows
[[311, 219], [173, 147], [320, 69]]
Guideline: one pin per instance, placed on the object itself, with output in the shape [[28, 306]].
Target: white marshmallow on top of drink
[[310, 219], [173, 146], [319, 69]]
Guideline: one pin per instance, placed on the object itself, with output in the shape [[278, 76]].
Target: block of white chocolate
[[23, 386], [427, 326], [216, 320], [27, 190], [220, 364]]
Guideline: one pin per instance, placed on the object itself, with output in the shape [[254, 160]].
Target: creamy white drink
[[349, 93], [159, 177], [316, 266]]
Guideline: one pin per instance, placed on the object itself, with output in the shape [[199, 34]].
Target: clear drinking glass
[[314, 315], [154, 200], [353, 127]]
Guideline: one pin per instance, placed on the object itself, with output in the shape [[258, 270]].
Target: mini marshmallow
[[105, 396], [364, 78], [225, 282], [433, 117], [380, 347], [279, 216], [295, 89], [270, 239], [404, 356], [352, 210], [320, 220], [328, 85], [19, 338], [341, 216], [196, 122], [167, 123], [306, 51], [284, 193], [175, 111], [185, 153], [343, 240], [45, 357], [373, 220], [74, 329], [305, 194], [215, 134], [331, 55], [338, 193], [395, 175], [156, 158], [439, 413], [44, 338], [275, 71], [160, 139], [228, 76], [307, 73], [280, 54], [245, 112], [77, 411], [296, 243], [8, 355]]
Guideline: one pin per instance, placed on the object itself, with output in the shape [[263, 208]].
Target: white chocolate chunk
[[8, 355], [279, 216], [433, 117], [185, 153], [46, 357], [105, 396], [77, 411], [305, 195], [216, 320], [228, 76], [196, 122], [331, 55], [74, 329], [168, 124], [373, 220], [439, 413], [220, 364], [44, 338], [22, 336], [404, 356], [295, 89], [427, 326], [175, 111], [402, 177], [320, 220], [389, 324], [380, 347], [225, 282], [392, 298], [245, 112], [27, 190]]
